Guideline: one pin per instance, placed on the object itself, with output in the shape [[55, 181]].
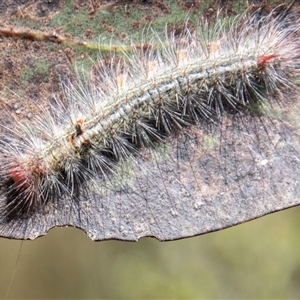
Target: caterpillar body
[[148, 99]]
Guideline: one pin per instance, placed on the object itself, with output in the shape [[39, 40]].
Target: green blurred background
[[259, 259]]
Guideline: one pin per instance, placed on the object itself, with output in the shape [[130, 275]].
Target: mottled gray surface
[[205, 181]]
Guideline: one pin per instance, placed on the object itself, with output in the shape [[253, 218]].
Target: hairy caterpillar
[[190, 83]]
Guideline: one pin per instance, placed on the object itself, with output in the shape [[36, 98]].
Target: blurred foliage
[[259, 259]]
